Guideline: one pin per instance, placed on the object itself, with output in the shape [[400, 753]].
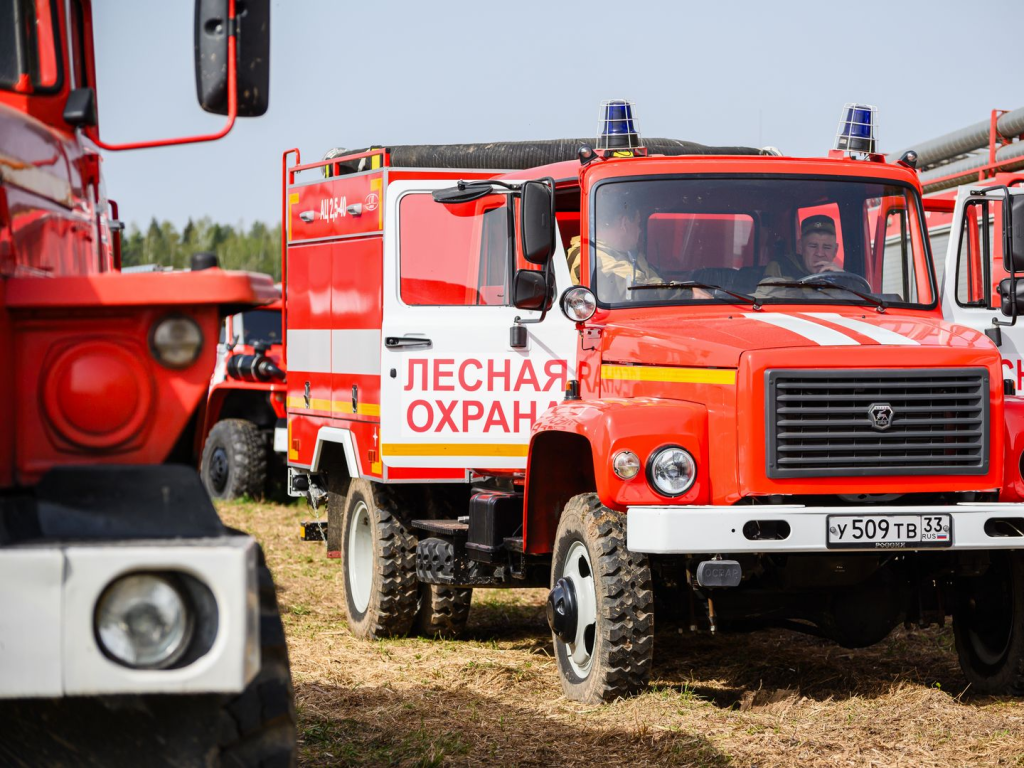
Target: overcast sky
[[352, 74]]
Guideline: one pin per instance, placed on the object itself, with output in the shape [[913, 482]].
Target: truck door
[[455, 394], [974, 267]]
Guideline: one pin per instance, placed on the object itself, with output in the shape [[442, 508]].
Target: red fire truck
[[635, 370], [244, 440], [134, 627]]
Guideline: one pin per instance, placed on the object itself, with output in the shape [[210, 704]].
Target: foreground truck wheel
[[379, 555], [988, 622], [234, 460], [601, 605]]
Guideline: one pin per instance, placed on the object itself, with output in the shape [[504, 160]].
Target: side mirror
[[1007, 299], [530, 290], [537, 222], [80, 108], [252, 18], [1013, 256]]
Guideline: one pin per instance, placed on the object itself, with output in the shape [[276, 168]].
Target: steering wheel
[[840, 280]]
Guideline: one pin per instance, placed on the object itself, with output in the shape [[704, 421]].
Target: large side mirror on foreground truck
[[252, 19], [537, 219]]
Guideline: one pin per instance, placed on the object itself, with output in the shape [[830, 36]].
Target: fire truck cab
[[627, 370], [135, 628]]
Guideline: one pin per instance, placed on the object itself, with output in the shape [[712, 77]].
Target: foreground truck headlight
[[671, 470], [144, 621], [176, 342]]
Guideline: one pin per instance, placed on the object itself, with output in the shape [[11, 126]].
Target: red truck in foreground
[[708, 377], [135, 628]]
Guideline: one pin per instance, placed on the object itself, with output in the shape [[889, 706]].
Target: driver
[[620, 260], [815, 252]]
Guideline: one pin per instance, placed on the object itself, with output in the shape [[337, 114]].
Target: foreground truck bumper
[[777, 528], [48, 639]]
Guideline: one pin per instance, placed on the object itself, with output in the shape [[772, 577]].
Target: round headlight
[[143, 621], [579, 304], [671, 470], [176, 341], [626, 464]]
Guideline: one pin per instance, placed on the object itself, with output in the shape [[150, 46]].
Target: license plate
[[889, 531]]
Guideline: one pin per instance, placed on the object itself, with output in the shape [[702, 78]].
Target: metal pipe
[[965, 140], [970, 166]]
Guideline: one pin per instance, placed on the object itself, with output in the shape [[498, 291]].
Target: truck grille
[[860, 423]]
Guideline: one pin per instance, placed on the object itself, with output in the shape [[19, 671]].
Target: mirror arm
[[232, 29]]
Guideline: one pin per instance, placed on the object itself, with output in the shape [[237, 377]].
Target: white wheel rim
[[579, 571], [360, 557]]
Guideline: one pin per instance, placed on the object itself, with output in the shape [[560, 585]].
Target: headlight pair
[[671, 469]]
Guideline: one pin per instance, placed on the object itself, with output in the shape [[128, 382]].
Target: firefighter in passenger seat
[[621, 263]]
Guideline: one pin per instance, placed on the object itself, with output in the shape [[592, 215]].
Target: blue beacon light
[[617, 130], [856, 134]]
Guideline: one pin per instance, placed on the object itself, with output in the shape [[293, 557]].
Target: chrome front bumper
[[720, 529]]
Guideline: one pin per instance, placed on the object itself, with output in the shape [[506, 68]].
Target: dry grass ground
[[763, 699]]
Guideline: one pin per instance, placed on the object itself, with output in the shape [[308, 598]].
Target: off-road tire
[[623, 646], [394, 590], [988, 624], [443, 610], [234, 462], [253, 728]]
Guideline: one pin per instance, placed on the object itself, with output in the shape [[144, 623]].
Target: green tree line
[[255, 250]]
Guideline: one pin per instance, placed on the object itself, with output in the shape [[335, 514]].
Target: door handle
[[307, 216], [394, 342]]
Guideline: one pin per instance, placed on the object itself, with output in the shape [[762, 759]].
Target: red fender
[[571, 451]]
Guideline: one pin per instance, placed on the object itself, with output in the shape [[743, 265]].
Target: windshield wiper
[[753, 301], [880, 304]]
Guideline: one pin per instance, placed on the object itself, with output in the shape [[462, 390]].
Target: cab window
[[453, 254], [29, 46], [979, 266]]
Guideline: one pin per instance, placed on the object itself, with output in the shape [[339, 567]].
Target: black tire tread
[[258, 726], [1008, 679], [248, 458], [392, 608], [626, 602], [443, 610]]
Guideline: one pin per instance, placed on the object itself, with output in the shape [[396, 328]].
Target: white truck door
[[973, 269], [455, 393]]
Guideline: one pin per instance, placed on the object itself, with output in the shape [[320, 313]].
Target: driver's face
[[624, 235], [818, 251]]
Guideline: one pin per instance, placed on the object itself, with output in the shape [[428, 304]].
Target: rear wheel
[[378, 552], [234, 461], [443, 610], [988, 623], [601, 605]]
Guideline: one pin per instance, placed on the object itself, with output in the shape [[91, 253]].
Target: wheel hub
[[563, 614], [219, 469]]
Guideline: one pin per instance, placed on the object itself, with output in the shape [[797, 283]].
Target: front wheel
[[988, 624], [600, 608]]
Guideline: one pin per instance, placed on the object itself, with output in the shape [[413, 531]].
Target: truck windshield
[[261, 325], [783, 240]]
